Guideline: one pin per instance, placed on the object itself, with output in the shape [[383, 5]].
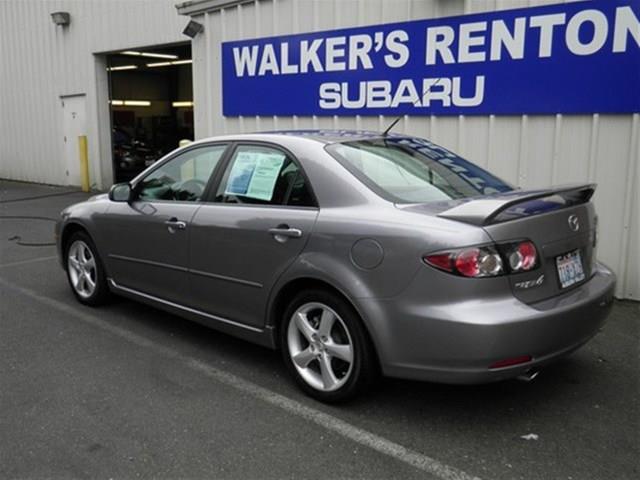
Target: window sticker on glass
[[241, 173], [254, 174]]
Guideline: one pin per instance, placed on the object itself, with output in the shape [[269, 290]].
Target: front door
[[255, 225], [148, 238]]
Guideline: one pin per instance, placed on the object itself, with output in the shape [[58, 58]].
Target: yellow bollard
[[84, 162]]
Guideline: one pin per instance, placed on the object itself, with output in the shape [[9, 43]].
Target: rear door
[[148, 238], [256, 222]]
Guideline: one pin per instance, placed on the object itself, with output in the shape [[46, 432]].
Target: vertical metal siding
[[631, 282], [529, 151], [41, 62]]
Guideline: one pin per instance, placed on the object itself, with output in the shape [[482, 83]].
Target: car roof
[[332, 136], [322, 136]]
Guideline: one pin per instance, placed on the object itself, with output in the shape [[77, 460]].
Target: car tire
[[320, 333], [85, 271]]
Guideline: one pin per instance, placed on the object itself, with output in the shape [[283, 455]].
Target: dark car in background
[[131, 156]]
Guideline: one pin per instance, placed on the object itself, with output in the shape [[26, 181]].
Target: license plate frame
[[570, 268]]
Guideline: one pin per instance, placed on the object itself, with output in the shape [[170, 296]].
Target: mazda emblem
[[574, 223]]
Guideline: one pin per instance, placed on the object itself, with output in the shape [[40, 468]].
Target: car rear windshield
[[413, 170]]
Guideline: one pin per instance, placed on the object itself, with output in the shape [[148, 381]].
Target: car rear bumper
[[457, 342]]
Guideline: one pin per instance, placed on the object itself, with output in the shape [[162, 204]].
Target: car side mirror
[[121, 192]]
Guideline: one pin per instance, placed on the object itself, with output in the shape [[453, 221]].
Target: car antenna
[[393, 124]]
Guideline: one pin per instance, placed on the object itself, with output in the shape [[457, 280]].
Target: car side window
[[183, 178], [261, 175]]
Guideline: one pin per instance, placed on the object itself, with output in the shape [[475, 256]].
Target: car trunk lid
[[560, 221]]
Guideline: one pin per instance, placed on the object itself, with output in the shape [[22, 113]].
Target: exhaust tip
[[528, 376]]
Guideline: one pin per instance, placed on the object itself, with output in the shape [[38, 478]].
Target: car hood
[[97, 198], [91, 204]]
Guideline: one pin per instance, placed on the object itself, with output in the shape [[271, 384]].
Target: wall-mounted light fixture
[[192, 29], [61, 18]]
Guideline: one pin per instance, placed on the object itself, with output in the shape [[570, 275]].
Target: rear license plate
[[570, 269]]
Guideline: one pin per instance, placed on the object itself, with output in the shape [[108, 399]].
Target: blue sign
[[571, 58]]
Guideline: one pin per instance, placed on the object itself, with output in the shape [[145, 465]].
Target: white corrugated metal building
[[43, 64]]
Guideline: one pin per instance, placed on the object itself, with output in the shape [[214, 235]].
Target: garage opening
[[151, 105]]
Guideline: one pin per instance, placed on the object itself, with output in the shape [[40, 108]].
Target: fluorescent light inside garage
[[159, 64], [166, 64], [137, 103], [148, 54], [122, 67], [131, 103], [181, 104]]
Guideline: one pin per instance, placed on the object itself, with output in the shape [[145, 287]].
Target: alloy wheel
[[320, 346], [81, 264]]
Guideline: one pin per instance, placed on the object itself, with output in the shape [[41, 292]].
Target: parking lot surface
[[128, 391]]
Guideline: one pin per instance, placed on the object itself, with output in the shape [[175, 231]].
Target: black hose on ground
[[36, 197], [18, 239]]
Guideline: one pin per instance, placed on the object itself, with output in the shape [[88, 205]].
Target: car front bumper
[[456, 342]]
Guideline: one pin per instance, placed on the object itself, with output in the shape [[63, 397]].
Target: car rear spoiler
[[484, 211]]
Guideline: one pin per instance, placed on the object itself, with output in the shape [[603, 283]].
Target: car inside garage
[[151, 105]]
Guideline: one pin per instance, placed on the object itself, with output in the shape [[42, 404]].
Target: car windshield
[[412, 170]]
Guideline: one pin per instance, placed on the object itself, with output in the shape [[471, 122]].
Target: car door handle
[[284, 231], [174, 224]]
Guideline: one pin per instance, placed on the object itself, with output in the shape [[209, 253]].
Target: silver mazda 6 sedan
[[354, 253]]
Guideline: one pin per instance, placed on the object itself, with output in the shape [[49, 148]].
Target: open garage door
[[151, 102]]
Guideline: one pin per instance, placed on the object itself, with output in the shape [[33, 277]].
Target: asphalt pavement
[[128, 391]]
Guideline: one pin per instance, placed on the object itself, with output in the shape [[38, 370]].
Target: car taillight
[[469, 262], [521, 256], [486, 260], [443, 261]]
